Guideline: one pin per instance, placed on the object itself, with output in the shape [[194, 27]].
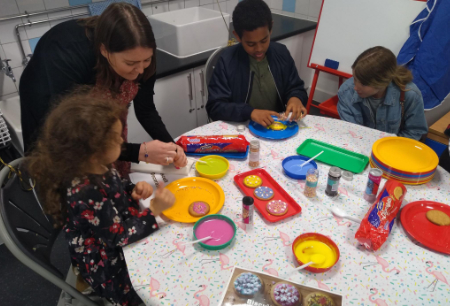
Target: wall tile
[[301, 16], [208, 6], [81, 10], [204, 2], [160, 8], [231, 5], [8, 32], [289, 6], [277, 4], [302, 7], [313, 18], [148, 10], [223, 6], [12, 51], [26, 48], [17, 74], [51, 4], [4, 97], [37, 30], [9, 7], [59, 15], [191, 3], [32, 43], [314, 8], [30, 5], [7, 85], [176, 5], [79, 2], [2, 53]]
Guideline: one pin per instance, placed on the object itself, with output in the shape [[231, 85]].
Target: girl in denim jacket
[[381, 96]]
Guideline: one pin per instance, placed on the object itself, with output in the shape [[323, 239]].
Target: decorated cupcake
[[318, 299], [284, 294], [247, 285]]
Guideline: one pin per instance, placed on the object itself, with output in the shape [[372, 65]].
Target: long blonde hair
[[377, 67]]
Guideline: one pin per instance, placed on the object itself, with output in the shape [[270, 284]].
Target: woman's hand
[[158, 152], [164, 199], [180, 159], [142, 190]]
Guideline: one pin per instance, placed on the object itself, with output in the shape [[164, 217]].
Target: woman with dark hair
[[115, 52]]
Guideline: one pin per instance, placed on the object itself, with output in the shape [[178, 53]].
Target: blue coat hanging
[[427, 52]]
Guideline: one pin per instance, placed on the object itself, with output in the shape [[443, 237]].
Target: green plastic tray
[[334, 156]]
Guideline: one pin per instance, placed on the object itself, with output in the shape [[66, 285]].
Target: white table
[[198, 277]]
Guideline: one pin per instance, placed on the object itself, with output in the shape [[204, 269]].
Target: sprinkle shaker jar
[[334, 175], [254, 154], [312, 179]]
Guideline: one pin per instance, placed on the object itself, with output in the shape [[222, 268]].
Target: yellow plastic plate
[[191, 189], [405, 154], [216, 167], [402, 180]]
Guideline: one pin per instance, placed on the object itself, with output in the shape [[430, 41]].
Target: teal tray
[[334, 156]]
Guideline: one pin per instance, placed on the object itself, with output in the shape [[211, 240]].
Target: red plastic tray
[[416, 224], [280, 194]]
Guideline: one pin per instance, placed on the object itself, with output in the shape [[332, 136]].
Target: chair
[[209, 70], [211, 64], [29, 234]]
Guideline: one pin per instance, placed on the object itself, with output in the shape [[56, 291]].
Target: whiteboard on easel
[[348, 27]]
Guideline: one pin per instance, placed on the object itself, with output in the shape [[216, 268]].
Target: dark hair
[[120, 27], [250, 15], [76, 129], [377, 67]]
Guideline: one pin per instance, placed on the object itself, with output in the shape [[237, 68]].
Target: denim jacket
[[353, 108]]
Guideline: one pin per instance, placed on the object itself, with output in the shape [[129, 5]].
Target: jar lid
[[247, 200], [241, 128], [254, 143], [347, 175], [335, 171]]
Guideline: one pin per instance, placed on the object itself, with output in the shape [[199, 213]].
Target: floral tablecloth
[[399, 273]]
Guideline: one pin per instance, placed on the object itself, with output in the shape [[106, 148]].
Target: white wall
[[9, 45]]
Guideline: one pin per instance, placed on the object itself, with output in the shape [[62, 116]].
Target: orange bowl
[[317, 237]]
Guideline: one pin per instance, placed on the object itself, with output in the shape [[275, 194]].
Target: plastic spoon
[[309, 160], [196, 241], [342, 214], [315, 259], [198, 161]]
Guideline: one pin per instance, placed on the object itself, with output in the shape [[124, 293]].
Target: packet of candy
[[213, 144], [379, 220]]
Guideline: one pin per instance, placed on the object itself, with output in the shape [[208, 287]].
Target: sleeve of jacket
[[220, 105], [415, 123], [345, 109], [147, 114], [296, 86]]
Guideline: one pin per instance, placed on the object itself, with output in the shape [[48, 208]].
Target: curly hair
[[250, 15], [377, 67], [79, 127]]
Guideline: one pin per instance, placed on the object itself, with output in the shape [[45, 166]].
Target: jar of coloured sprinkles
[[254, 154], [312, 179]]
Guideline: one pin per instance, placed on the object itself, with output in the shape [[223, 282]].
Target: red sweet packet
[[379, 220], [213, 144]]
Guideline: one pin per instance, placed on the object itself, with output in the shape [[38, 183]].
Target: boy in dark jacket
[[256, 78]]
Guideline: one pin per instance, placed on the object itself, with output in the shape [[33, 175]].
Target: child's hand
[[295, 106], [263, 117], [142, 190], [164, 199]]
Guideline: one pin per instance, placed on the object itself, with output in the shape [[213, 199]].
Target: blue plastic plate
[[226, 155], [258, 130], [291, 166]]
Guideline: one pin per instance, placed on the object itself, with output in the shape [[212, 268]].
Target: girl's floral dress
[[102, 218]]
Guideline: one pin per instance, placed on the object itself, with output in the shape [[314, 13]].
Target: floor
[[20, 286]]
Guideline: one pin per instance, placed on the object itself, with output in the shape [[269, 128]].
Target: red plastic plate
[[416, 224], [280, 194]]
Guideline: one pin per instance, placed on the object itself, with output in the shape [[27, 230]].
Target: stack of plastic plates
[[405, 160]]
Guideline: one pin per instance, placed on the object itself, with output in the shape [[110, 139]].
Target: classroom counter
[[283, 27]]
